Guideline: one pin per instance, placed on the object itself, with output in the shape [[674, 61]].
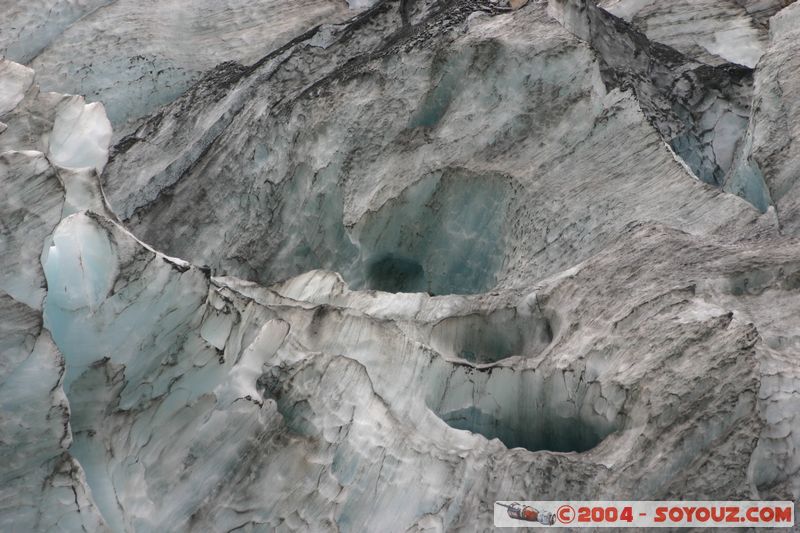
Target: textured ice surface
[[31, 208], [769, 165], [342, 177], [134, 57], [42, 486], [527, 293], [700, 110], [708, 30], [29, 27]]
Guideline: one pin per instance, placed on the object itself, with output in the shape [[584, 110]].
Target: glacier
[[371, 266]]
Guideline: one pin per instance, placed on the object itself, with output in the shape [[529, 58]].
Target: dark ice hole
[[392, 273], [554, 434]]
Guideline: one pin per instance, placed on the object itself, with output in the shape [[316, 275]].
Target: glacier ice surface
[[522, 291]]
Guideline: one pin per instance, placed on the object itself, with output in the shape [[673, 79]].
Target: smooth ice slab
[[15, 80], [80, 264], [81, 135]]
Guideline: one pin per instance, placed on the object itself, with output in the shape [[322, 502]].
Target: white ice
[[15, 80], [81, 135]]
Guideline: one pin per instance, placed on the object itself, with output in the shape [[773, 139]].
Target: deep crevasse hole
[[518, 406], [487, 338], [523, 409], [442, 235]]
